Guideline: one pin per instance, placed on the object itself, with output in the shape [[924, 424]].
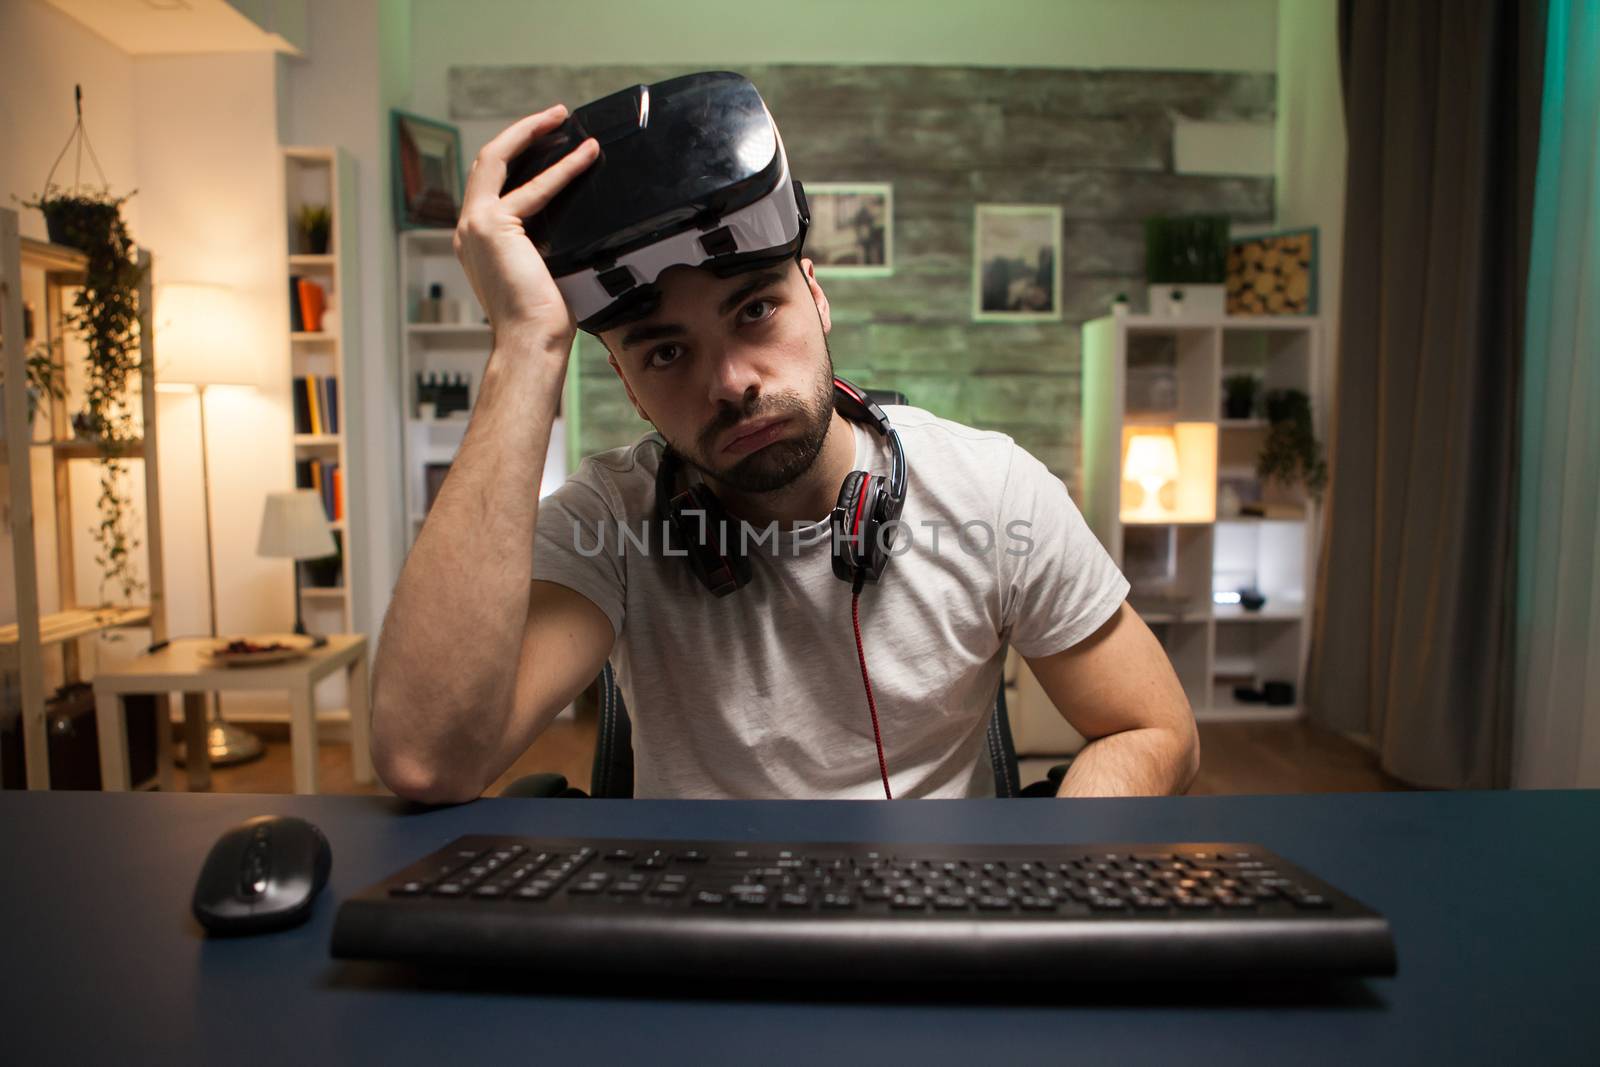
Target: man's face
[[734, 372]]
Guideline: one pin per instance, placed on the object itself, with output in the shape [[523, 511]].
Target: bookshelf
[[448, 342], [324, 456], [49, 611], [1162, 374]]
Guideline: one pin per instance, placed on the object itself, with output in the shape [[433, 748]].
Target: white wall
[[212, 190], [1311, 158]]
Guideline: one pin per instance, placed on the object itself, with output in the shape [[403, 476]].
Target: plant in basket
[[105, 314]]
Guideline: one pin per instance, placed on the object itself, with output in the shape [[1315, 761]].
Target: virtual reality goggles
[[691, 172]]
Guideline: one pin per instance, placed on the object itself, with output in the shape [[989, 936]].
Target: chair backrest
[[612, 775]]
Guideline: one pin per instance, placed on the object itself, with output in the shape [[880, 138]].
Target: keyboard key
[[408, 889], [908, 902], [488, 892], [619, 855], [951, 902], [1311, 901], [708, 899], [1038, 904], [449, 889], [692, 855], [838, 901], [670, 889], [534, 891], [794, 900]]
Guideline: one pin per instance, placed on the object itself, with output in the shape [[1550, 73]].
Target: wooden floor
[[1235, 758]]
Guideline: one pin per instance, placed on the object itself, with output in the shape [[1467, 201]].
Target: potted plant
[[1291, 454], [105, 314], [1186, 264], [1239, 395], [316, 226]]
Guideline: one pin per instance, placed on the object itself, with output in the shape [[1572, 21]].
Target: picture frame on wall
[[1016, 263], [1273, 273], [852, 228], [427, 172]]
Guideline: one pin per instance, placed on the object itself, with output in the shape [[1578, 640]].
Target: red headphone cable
[[861, 656]]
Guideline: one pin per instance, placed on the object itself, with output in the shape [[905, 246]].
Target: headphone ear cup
[[844, 522]]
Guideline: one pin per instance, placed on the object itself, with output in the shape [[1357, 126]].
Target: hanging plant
[[1291, 455], [105, 314]]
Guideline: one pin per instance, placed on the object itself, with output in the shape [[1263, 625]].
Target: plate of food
[[259, 649]]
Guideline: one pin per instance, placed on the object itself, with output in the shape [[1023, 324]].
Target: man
[[763, 692]]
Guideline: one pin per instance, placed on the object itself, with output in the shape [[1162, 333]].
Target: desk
[[180, 667], [1492, 899]]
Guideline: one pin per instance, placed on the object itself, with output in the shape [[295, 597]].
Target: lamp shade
[[201, 336], [1152, 459], [295, 526]]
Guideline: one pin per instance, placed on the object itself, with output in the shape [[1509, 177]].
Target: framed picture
[[427, 172], [852, 229], [1016, 263], [1273, 273]]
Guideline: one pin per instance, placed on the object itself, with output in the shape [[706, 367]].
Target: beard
[[783, 462]]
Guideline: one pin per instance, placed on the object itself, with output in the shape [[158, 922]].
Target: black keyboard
[[906, 912]]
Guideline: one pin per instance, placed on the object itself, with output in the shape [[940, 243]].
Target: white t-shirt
[[759, 694]]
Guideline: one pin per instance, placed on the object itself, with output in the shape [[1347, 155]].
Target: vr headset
[[691, 172]]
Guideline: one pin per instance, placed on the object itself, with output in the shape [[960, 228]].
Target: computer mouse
[[262, 875]]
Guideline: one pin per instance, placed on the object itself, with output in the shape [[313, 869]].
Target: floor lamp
[[196, 320]]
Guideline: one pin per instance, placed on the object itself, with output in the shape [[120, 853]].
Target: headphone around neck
[[861, 521]]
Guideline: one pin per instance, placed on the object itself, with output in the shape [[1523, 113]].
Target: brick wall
[[1097, 143]]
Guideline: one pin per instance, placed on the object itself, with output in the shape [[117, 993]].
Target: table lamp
[[198, 326], [1152, 461], [295, 526]]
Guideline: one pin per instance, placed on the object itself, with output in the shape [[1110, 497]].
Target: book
[[325, 401], [311, 401], [302, 407], [312, 302], [297, 323], [333, 404], [338, 494]]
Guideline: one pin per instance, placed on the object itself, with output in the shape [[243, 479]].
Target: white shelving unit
[[448, 348], [326, 177], [1159, 371], [57, 616]]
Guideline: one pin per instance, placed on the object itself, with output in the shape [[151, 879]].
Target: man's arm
[[1118, 689], [475, 657]]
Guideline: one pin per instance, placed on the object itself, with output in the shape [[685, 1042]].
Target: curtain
[[1411, 643], [1557, 734]]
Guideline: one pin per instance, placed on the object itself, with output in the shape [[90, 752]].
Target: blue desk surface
[[1492, 897]]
